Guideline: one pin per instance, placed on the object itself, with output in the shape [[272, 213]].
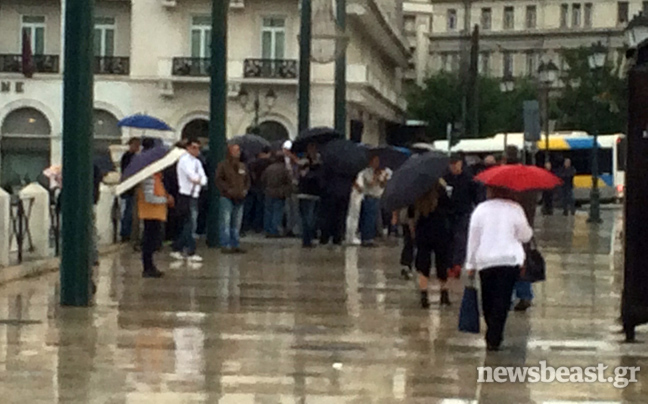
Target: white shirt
[[190, 170], [498, 228], [365, 178]]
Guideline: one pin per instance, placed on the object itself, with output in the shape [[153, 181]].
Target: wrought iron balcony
[[193, 67], [270, 68], [11, 63], [112, 65]]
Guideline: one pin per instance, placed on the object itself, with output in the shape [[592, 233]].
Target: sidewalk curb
[[36, 268]]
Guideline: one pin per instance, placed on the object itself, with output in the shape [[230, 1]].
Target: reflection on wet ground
[[282, 325]]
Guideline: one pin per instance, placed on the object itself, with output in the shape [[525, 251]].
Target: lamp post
[[634, 301], [305, 33], [596, 60], [244, 100], [507, 86], [548, 73]]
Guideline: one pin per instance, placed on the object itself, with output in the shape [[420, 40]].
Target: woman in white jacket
[[498, 229]]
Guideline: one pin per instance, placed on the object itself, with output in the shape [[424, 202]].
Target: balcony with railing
[[112, 65], [190, 67], [270, 69], [12, 63]]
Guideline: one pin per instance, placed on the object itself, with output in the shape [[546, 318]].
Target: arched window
[[273, 131], [24, 146], [196, 129], [106, 132]]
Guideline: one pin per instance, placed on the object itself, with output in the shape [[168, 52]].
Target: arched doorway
[[273, 131], [196, 129], [25, 137]]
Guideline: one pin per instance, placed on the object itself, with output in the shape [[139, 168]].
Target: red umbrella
[[517, 177]]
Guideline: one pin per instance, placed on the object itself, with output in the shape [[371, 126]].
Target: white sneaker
[[354, 241], [177, 256], [195, 258]]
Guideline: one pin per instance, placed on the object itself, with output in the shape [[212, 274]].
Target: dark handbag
[[535, 266], [469, 311]]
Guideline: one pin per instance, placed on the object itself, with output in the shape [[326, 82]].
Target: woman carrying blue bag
[[498, 230]]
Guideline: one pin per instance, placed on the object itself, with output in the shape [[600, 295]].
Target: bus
[[576, 146]]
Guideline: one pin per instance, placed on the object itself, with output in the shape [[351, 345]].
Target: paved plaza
[[282, 325]]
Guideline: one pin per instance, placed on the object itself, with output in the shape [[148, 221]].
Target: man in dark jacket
[[567, 173], [254, 202], [128, 198], [233, 182], [463, 198], [335, 205], [277, 185], [310, 189]]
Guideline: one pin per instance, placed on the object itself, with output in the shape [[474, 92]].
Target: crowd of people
[[459, 224]]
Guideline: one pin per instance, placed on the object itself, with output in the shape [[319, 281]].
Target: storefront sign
[[17, 87]]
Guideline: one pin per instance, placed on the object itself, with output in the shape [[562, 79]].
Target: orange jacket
[[148, 210]]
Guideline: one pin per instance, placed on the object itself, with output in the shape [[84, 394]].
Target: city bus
[[576, 146]]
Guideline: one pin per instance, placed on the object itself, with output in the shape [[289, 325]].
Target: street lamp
[[548, 73], [507, 85], [636, 34], [244, 100], [596, 60]]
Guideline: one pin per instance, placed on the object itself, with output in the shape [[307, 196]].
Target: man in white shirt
[[372, 181], [191, 179]]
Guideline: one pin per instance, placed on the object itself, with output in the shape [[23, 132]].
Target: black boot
[[152, 273], [445, 298], [425, 303]]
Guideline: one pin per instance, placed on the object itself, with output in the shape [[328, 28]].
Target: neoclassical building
[[152, 56]]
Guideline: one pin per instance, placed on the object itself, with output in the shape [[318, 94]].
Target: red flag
[[27, 58]]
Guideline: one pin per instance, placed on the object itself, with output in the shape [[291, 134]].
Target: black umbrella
[[413, 179], [345, 157], [319, 135], [390, 156], [250, 144]]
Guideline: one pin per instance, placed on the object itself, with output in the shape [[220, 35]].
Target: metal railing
[[116, 65], [192, 67], [19, 217], [270, 68], [11, 63]]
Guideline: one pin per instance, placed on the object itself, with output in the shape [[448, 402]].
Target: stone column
[[39, 219], [5, 227]]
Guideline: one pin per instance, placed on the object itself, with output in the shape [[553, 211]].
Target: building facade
[[515, 35], [152, 56]]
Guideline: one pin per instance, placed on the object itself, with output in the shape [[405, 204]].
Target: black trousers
[[547, 203], [150, 242], [459, 225], [407, 254], [334, 212], [496, 290]]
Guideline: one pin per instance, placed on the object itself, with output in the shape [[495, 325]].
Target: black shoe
[[369, 244], [445, 298], [152, 274], [425, 302], [492, 348], [308, 245], [406, 274], [522, 305], [227, 250], [238, 250]]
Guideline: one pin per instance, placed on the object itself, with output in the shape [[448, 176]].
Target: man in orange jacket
[[152, 201]]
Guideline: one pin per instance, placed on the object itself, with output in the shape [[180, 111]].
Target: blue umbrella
[[144, 159], [141, 121]]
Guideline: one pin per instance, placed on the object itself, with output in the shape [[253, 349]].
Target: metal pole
[[217, 111], [257, 105], [595, 197], [304, 65], [76, 202], [546, 121], [340, 73]]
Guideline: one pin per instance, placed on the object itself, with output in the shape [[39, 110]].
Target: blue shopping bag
[[469, 312]]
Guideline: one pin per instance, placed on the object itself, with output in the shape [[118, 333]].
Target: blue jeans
[[128, 202], [309, 220], [523, 290], [186, 241], [274, 208], [231, 216], [368, 218]]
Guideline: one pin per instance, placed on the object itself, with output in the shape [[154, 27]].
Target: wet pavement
[[282, 325]]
